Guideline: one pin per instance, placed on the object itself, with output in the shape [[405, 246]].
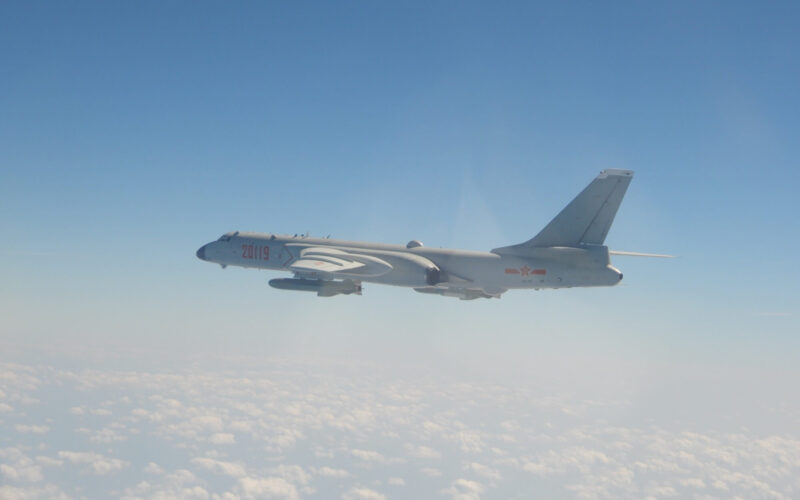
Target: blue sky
[[132, 134]]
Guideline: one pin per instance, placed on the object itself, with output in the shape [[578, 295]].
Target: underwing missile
[[324, 288]]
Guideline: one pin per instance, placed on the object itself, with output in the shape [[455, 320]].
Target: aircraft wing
[[330, 263]]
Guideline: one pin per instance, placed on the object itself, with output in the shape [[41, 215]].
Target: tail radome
[[587, 218]]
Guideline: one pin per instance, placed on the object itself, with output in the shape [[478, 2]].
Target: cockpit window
[[228, 236]]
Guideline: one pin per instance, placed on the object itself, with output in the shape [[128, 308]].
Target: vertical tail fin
[[587, 219]]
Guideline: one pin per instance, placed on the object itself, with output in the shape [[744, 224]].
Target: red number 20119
[[255, 252]]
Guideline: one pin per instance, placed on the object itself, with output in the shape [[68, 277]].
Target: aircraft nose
[[201, 253]]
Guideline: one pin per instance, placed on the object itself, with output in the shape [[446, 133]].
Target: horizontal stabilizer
[[640, 254]]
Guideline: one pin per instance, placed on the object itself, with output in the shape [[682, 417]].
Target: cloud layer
[[300, 430]]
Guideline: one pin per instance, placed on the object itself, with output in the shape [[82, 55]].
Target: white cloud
[[49, 461], [361, 493], [469, 441], [719, 484], [421, 451], [292, 473], [266, 487], [432, 427], [693, 482], [49, 491], [107, 435], [32, 429], [178, 485], [558, 462], [220, 467], [21, 471], [331, 472], [484, 471], [18, 467], [222, 438], [282, 433], [98, 464], [207, 422], [368, 455], [153, 469], [464, 489], [431, 472]]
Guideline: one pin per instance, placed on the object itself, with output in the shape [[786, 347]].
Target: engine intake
[[433, 276]]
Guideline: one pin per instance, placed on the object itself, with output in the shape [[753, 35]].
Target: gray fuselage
[[457, 271]]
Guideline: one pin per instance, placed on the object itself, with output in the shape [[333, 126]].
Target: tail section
[[587, 219]]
